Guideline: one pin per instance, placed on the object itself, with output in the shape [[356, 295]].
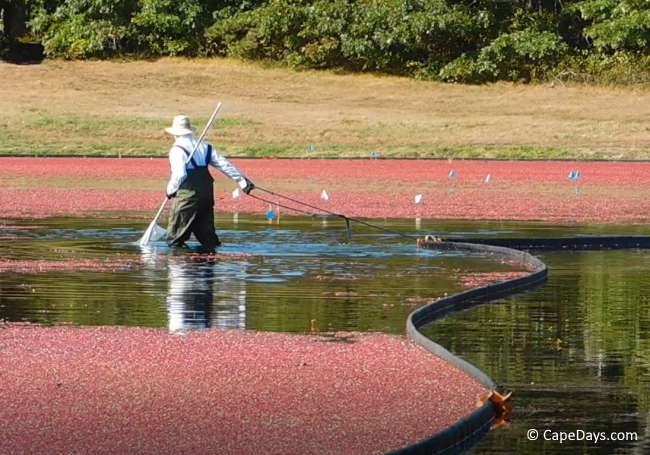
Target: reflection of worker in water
[[198, 299], [191, 184]]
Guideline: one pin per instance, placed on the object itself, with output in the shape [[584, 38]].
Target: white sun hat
[[180, 126]]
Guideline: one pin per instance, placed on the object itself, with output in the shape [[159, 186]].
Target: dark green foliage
[[326, 26], [618, 24], [401, 36], [412, 36], [453, 40], [520, 55], [268, 32], [374, 38], [85, 28], [170, 27], [4, 46]]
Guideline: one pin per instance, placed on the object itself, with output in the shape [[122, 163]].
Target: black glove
[[169, 196], [249, 186]]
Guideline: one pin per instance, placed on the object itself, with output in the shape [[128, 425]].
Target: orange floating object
[[502, 407]]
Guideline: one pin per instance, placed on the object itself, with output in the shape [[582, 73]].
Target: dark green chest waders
[[193, 210]]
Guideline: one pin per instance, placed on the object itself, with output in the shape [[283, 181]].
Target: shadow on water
[[576, 352]]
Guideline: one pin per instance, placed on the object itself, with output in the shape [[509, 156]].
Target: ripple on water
[[267, 278]]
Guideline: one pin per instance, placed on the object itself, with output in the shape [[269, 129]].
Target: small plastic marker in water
[[418, 198], [324, 196], [235, 193], [574, 175]]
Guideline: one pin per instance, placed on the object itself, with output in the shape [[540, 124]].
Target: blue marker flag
[[452, 174], [574, 175], [270, 214]]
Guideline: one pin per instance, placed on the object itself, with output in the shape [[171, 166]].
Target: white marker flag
[[418, 198], [235, 193], [324, 196]]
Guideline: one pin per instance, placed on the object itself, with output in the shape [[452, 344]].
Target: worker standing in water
[[191, 186]]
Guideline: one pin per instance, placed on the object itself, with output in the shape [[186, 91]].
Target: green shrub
[[464, 69], [85, 28], [402, 36], [618, 68], [268, 32], [326, 24], [522, 55], [618, 24], [299, 33], [454, 40], [371, 42], [232, 36], [411, 36], [170, 27]]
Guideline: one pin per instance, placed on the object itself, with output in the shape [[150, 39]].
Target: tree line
[[471, 41]]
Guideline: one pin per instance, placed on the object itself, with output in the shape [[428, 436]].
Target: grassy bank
[[121, 108]]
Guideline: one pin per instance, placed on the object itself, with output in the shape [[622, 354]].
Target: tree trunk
[[14, 18]]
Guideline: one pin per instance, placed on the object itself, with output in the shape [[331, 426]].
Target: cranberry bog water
[[70, 260], [89, 346]]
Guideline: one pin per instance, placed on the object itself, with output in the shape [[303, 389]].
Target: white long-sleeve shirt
[[180, 165]]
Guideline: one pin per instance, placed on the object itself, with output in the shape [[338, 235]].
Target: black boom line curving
[[467, 431]]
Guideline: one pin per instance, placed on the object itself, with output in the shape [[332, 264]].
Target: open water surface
[[576, 352], [297, 276]]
